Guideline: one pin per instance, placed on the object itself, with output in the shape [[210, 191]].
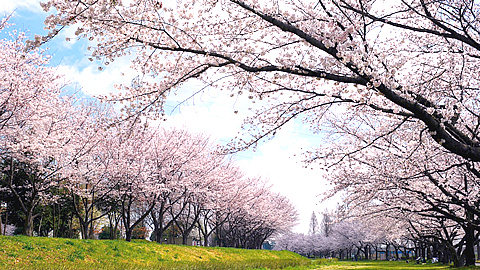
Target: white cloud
[[9, 6], [69, 33], [95, 82], [201, 119], [211, 111]]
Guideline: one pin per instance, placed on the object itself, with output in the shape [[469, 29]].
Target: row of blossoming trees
[[66, 162], [378, 238]]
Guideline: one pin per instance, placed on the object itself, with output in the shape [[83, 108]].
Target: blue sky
[[211, 112]]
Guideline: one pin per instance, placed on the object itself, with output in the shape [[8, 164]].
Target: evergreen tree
[[326, 224], [313, 228]]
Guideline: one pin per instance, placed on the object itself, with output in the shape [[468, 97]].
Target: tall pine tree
[[313, 228]]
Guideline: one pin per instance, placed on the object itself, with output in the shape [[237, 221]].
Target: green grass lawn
[[375, 265], [20, 252]]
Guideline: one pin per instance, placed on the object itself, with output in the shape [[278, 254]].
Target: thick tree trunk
[[184, 238], [469, 252], [85, 230], [90, 231], [159, 235], [205, 239], [367, 252], [112, 231], [158, 227], [218, 233], [127, 218], [478, 250], [115, 229], [5, 224], [456, 259], [28, 224], [53, 221], [447, 254], [128, 234]]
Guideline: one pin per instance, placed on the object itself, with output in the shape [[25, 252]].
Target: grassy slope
[[22, 252]]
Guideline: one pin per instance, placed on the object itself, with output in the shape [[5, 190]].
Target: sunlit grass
[[22, 252], [373, 265]]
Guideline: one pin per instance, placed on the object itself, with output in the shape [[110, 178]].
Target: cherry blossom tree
[[45, 153], [349, 237], [319, 54], [131, 171], [27, 79], [296, 242], [436, 186], [35, 126], [259, 214], [419, 181], [183, 164], [198, 180], [87, 178], [224, 201]]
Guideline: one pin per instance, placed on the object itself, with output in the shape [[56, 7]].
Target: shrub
[[139, 232], [106, 233]]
